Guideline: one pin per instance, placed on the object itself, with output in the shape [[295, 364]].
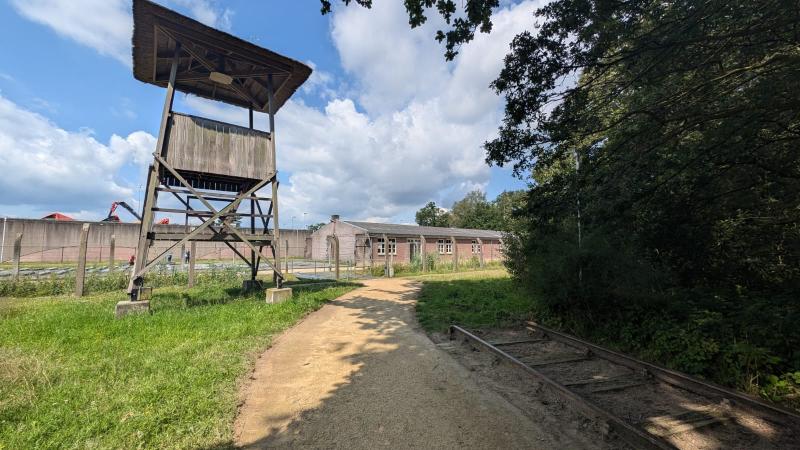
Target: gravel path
[[360, 373]]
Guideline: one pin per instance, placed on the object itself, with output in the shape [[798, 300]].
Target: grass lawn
[[71, 376], [472, 299]]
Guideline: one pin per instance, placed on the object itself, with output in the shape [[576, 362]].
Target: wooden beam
[[192, 256], [211, 67], [151, 195], [455, 253], [17, 256], [111, 253], [385, 255], [334, 240], [278, 279], [80, 273], [206, 41], [203, 76], [215, 197], [253, 260], [423, 253], [480, 249]]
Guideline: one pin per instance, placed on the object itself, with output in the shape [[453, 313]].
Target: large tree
[[474, 211], [432, 216]]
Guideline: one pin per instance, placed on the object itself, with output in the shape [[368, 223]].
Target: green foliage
[[475, 212], [71, 376], [431, 215], [475, 303], [316, 226], [476, 16]]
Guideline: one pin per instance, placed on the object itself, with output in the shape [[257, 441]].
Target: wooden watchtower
[[211, 167]]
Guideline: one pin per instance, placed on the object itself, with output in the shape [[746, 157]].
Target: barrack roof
[[416, 230], [204, 50]]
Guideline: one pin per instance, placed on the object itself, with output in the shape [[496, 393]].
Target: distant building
[[370, 243], [58, 216]]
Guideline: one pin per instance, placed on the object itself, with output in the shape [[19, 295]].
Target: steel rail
[[674, 378], [629, 433]]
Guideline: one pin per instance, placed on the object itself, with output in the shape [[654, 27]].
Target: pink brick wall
[[491, 250]]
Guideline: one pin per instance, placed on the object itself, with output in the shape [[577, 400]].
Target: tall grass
[[97, 283]]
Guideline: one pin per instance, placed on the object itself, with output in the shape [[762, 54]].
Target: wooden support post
[[112, 250], [192, 256], [80, 273], [286, 246], [423, 253], [253, 260], [455, 253], [275, 223], [480, 252], [17, 256], [152, 176]]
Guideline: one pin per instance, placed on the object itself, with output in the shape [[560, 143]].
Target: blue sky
[[383, 126]]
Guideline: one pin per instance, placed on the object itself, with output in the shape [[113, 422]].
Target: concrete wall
[[55, 241]]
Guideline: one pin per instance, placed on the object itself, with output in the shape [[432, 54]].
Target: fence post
[[385, 255], [455, 253], [423, 253], [112, 251], [80, 274], [192, 255], [17, 255], [287, 254], [480, 251], [335, 240]]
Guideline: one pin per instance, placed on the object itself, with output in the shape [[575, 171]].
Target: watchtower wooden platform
[[211, 167]]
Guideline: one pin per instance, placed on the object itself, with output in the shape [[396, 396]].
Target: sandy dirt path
[[360, 373]]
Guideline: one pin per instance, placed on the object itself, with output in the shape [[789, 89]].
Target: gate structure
[[211, 168]]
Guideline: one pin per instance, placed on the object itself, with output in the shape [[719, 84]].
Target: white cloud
[[419, 134], [46, 168], [107, 25], [207, 12], [104, 25]]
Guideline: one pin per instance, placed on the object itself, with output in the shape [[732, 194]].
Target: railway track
[[645, 405]]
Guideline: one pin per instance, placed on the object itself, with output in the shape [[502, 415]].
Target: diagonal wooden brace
[[213, 230], [216, 214]]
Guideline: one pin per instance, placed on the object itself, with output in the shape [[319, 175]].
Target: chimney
[[334, 218]]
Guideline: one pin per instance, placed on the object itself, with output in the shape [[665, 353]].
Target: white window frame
[[392, 247], [476, 247], [445, 246], [380, 247]]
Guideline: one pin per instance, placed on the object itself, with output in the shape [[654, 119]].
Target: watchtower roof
[[240, 69]]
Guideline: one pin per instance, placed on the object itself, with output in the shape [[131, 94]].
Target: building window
[[445, 246], [392, 246], [476, 247]]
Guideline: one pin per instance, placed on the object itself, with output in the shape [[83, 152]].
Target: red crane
[[115, 218]]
